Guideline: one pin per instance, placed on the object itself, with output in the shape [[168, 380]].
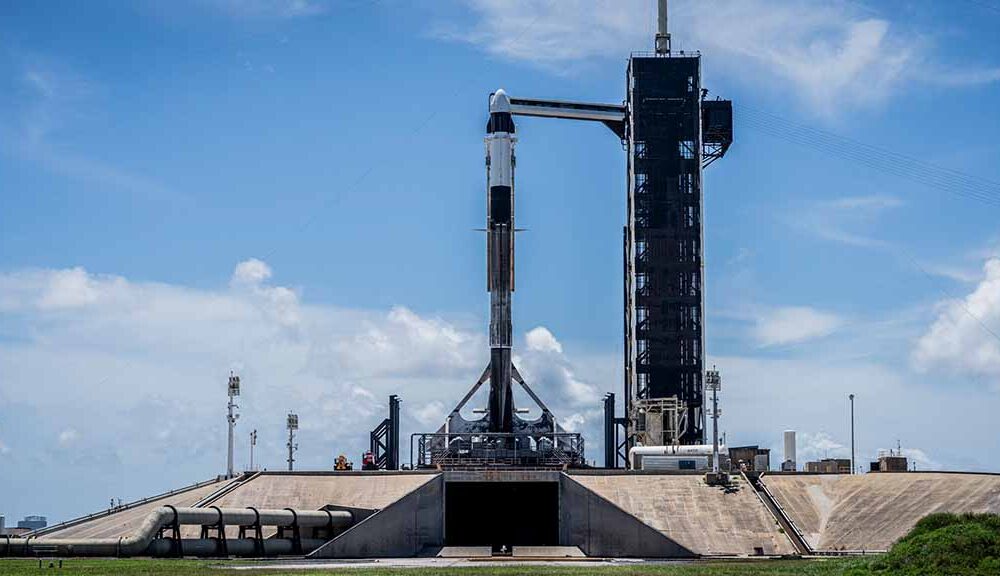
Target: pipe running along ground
[[144, 541]]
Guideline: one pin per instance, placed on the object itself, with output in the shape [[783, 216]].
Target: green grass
[[967, 544], [954, 545], [147, 567]]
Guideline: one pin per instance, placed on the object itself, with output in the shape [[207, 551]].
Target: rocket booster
[[500, 256]]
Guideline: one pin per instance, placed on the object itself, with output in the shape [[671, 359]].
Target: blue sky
[[290, 189]]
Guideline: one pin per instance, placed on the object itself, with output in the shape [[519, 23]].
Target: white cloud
[[573, 422], [4, 449], [963, 338], [793, 325], [546, 368], [252, 271], [922, 460], [872, 202], [848, 220], [830, 54], [812, 446], [68, 289], [132, 376], [761, 397], [431, 414], [541, 340], [55, 99]]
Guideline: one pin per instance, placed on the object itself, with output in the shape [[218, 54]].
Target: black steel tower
[[672, 132]]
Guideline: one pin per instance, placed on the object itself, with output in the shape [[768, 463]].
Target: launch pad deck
[[604, 513]]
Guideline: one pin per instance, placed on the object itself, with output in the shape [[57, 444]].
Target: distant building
[[892, 463], [750, 458], [32, 522], [830, 466]]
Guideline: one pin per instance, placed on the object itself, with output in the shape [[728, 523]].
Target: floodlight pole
[[234, 391], [854, 468], [714, 382], [292, 425], [253, 443]]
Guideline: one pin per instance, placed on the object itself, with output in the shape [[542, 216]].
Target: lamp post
[[714, 383], [853, 466], [234, 391], [292, 424], [253, 442]]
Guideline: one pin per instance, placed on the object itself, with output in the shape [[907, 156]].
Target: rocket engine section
[[500, 257]]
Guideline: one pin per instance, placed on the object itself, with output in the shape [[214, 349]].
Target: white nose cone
[[499, 102]]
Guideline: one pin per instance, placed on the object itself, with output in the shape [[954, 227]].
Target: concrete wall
[[873, 511], [602, 529], [402, 529], [706, 520]]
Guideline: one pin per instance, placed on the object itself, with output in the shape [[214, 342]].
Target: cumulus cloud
[[761, 397], [252, 271], [131, 375], [828, 53], [431, 414], [793, 325], [541, 340], [547, 368], [68, 289], [964, 336], [817, 446]]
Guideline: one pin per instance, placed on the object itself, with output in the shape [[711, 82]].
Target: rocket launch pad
[[500, 437]]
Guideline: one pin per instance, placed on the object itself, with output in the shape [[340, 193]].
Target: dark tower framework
[[664, 297]]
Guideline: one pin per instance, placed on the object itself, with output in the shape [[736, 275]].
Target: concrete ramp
[[404, 528], [124, 521], [355, 491], [314, 490], [873, 511], [691, 516], [601, 528]]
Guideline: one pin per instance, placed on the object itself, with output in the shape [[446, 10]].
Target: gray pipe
[[143, 540]]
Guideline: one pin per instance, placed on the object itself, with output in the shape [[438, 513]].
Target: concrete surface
[[403, 528], [872, 511], [307, 491], [602, 529], [465, 552], [373, 490], [123, 522], [547, 552], [704, 520]]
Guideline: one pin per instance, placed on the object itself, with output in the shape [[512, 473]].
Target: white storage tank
[[682, 457], [789, 463]]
